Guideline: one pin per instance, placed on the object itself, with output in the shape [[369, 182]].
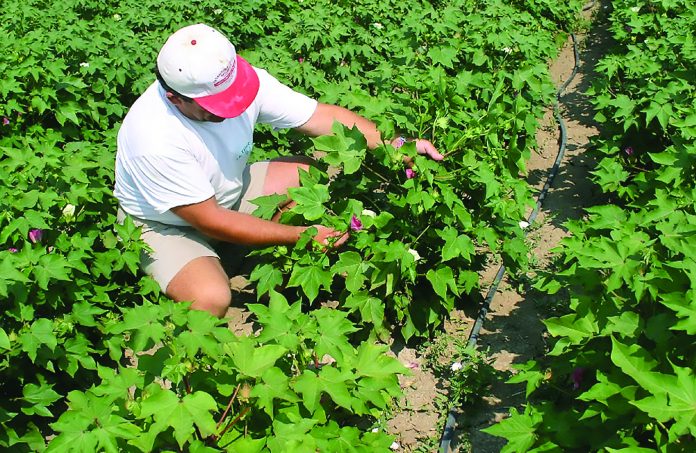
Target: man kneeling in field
[[181, 163]]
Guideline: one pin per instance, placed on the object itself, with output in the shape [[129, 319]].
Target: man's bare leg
[[204, 282]]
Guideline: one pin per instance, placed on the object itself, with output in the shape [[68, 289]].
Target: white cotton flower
[[69, 212], [395, 445], [217, 11], [456, 366], [523, 224], [375, 430], [507, 50], [368, 213], [415, 254], [117, 17], [635, 9], [84, 64], [378, 26]]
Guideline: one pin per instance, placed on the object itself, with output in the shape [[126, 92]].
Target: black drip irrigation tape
[[448, 433]]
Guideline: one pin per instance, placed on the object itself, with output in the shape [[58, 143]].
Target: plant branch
[[421, 234], [229, 405], [233, 422]]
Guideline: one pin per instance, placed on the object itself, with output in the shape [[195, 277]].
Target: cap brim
[[237, 97]]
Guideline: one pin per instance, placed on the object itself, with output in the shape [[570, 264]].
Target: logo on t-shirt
[[244, 153]]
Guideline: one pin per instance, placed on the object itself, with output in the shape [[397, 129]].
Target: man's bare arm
[[321, 122], [226, 225]]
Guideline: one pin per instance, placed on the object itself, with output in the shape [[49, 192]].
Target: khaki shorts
[[175, 246]]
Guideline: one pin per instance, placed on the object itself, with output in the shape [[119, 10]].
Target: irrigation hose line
[[448, 432]]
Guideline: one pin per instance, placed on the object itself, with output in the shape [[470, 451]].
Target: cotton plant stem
[[236, 419], [420, 235], [229, 406]]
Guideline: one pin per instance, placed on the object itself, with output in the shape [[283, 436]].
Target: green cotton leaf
[[181, 414], [456, 244], [345, 147], [334, 328], [371, 309], [335, 383], [292, 437], [374, 362], [518, 429], [74, 434], [682, 400], [606, 217], [602, 390], [145, 324], [268, 205], [91, 420], [51, 267], [279, 321], [310, 200], [274, 385], [268, 278], [350, 265], [441, 279], [676, 401], [252, 360], [665, 158], [83, 313], [660, 111], [39, 397], [683, 308], [529, 372], [444, 56], [116, 384], [68, 111], [574, 328], [310, 279], [638, 364], [309, 386], [627, 324], [4, 340], [245, 444], [40, 333]]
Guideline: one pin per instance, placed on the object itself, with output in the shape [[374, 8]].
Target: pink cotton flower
[[300, 60], [355, 224], [629, 150], [410, 174], [35, 235], [13, 250], [5, 121], [576, 376]]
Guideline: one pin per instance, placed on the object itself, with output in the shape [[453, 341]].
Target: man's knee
[[203, 282], [214, 299]]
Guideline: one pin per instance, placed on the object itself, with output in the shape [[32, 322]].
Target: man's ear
[[176, 100]]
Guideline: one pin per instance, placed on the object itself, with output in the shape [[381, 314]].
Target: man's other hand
[[329, 237], [425, 147]]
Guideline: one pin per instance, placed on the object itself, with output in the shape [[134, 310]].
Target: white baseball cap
[[201, 63]]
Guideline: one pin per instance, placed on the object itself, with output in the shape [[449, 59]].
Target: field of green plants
[[95, 358], [620, 373]]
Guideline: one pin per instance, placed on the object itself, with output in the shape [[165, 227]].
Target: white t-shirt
[[165, 159]]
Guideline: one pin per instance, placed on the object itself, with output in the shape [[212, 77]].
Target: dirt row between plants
[[513, 332]]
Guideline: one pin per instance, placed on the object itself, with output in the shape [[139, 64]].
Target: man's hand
[[425, 147], [329, 237], [422, 147]]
